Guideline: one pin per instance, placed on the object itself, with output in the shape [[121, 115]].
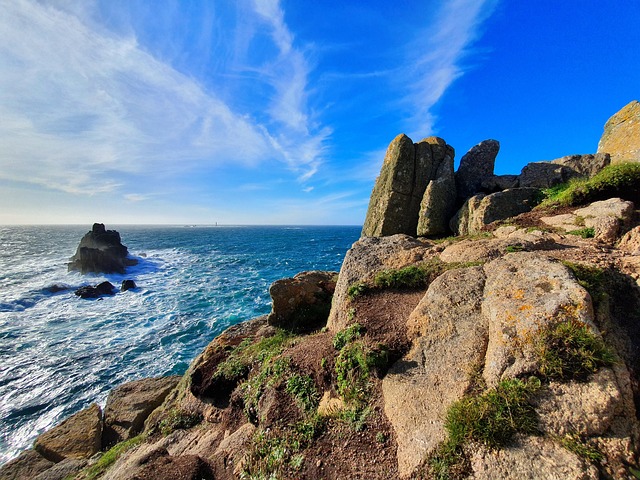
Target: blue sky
[[279, 112]]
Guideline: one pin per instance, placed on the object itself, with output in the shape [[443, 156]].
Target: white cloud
[[435, 56], [82, 107]]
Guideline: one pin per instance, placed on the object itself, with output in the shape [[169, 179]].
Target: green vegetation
[[272, 372], [448, 462], [356, 289], [411, 277], [178, 419], [578, 445], [514, 248], [347, 335], [303, 389], [590, 277], [587, 232], [381, 437], [354, 364], [620, 180], [239, 361], [495, 416], [570, 350], [110, 457], [275, 453]]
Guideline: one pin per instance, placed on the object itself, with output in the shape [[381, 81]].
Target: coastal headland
[[483, 327]]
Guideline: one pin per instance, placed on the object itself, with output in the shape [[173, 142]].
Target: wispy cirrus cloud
[[435, 57], [83, 106]]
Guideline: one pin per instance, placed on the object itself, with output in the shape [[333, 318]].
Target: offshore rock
[[127, 285], [481, 210], [398, 193], [475, 167], [104, 288], [129, 405], [621, 137], [438, 202], [302, 303], [101, 251], [79, 436]]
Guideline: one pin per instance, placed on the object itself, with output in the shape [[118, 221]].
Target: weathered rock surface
[[79, 436], [532, 458], [399, 189], [90, 291], [419, 388], [621, 137], [584, 165], [64, 470], [544, 175], [302, 303], [606, 217], [26, 465], [129, 405], [366, 257], [481, 210], [481, 320], [101, 251], [497, 183], [438, 203], [476, 166], [630, 241]]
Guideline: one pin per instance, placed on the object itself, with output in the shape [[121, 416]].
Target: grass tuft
[[303, 389], [178, 419], [587, 232], [570, 350], [110, 457], [578, 445], [620, 180], [495, 416]]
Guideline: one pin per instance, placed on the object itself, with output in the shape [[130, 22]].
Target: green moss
[[178, 419], [349, 334], [570, 350], [495, 416], [587, 232], [110, 457], [620, 180], [514, 248]]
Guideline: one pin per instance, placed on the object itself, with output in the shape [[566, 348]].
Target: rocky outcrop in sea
[[101, 251], [509, 351]]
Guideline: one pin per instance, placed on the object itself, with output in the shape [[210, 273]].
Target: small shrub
[[448, 462], [495, 416], [179, 420], [570, 350], [356, 416], [587, 232], [349, 334], [381, 437]]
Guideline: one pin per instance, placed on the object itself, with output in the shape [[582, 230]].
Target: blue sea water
[[59, 353]]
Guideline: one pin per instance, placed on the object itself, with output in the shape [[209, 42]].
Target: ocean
[[60, 353]]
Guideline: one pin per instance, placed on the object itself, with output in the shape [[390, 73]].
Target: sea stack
[[101, 251]]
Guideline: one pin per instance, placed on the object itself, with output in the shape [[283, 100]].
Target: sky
[[280, 111]]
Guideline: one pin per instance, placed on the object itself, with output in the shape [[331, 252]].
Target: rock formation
[[476, 166], [101, 251], [514, 355], [91, 291], [302, 303], [621, 137], [397, 198]]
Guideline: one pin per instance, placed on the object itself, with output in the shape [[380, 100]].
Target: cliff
[[511, 351]]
